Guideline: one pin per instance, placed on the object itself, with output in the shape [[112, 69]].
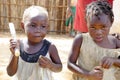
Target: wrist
[[15, 57], [87, 75]]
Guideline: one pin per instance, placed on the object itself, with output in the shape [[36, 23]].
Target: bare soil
[[62, 42]]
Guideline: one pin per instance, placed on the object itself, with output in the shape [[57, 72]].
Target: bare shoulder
[[52, 47], [53, 50], [115, 40], [78, 39]]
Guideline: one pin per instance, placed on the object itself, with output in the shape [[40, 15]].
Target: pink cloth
[[79, 22]]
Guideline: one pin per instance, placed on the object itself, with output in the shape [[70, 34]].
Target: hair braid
[[98, 7]]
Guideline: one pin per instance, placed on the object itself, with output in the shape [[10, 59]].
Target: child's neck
[[32, 47], [34, 43], [106, 43]]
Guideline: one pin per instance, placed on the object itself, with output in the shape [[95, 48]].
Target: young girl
[[38, 57], [95, 55]]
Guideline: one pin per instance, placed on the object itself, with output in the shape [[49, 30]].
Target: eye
[[43, 26], [33, 25], [103, 27], [92, 27]]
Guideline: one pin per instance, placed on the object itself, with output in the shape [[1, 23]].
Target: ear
[[22, 25], [112, 19]]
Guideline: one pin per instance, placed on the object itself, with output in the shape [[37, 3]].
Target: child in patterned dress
[[95, 55]]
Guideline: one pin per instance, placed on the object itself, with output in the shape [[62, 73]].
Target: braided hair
[[97, 7]]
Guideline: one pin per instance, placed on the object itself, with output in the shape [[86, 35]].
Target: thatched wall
[[12, 10]]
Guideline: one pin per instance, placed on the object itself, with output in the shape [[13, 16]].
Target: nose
[[99, 32], [38, 28]]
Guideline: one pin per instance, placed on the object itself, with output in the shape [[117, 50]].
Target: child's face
[[99, 28], [36, 27]]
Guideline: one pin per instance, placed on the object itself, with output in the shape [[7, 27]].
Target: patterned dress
[[91, 55], [28, 67]]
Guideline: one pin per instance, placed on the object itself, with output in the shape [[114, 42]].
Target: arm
[[118, 40], [68, 7], [74, 53], [117, 61], [107, 62], [13, 64], [68, 2], [55, 65]]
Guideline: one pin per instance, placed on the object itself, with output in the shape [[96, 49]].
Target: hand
[[68, 12], [44, 62], [13, 45], [96, 73], [117, 35], [107, 62]]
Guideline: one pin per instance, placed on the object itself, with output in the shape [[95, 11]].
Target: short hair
[[98, 7], [31, 8]]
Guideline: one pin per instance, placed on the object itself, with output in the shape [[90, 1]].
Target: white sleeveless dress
[[91, 55], [32, 71]]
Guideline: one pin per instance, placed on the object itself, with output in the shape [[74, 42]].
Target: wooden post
[[9, 11], [59, 16]]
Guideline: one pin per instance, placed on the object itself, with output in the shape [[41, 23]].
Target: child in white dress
[[95, 55], [38, 57]]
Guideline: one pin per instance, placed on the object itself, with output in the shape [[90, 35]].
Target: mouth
[[37, 36], [99, 38]]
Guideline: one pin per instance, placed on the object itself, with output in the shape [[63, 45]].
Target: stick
[[13, 33]]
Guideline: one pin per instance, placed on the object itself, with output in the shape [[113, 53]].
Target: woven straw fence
[[12, 11]]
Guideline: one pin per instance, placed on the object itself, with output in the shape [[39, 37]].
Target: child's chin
[[99, 40], [37, 40]]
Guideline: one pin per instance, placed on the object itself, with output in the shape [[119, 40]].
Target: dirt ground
[[62, 42]]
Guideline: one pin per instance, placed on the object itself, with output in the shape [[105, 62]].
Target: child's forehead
[[102, 18], [40, 18], [37, 17]]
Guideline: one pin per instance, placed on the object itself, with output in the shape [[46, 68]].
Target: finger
[[102, 63], [40, 58], [97, 67], [11, 40], [106, 64], [42, 64], [18, 43], [44, 58], [13, 43]]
